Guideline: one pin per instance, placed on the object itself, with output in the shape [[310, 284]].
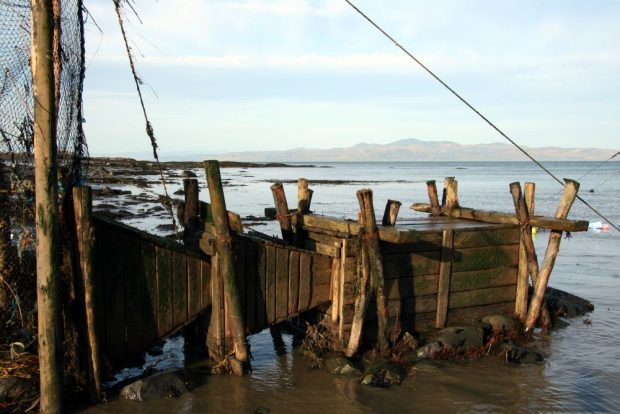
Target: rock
[[383, 374], [341, 365], [499, 323], [429, 350], [179, 192], [521, 354], [162, 385], [15, 388], [461, 337]]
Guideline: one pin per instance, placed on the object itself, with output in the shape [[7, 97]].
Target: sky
[[235, 75]]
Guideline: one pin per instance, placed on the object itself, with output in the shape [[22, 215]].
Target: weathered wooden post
[[190, 209], [433, 197], [225, 259], [279, 199], [46, 207], [304, 196], [450, 197], [82, 204], [371, 242], [362, 296], [391, 212], [571, 188]]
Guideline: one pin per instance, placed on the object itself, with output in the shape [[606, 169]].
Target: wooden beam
[[507, 218], [443, 284]]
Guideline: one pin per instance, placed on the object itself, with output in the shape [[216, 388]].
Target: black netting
[[17, 259]]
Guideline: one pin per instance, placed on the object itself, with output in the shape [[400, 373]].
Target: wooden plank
[[479, 279], [428, 242], [251, 283], [325, 239], [149, 297], [320, 295], [194, 286], [413, 264], [164, 291], [335, 290], [443, 283], [270, 298], [132, 276], [410, 287], [240, 247], [479, 297], [485, 238], [321, 269], [305, 280], [114, 301], [293, 283], [234, 219], [282, 258], [261, 292], [508, 218], [326, 249], [179, 289], [205, 284], [522, 282], [485, 258]]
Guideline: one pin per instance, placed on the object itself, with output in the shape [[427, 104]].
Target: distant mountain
[[418, 150]]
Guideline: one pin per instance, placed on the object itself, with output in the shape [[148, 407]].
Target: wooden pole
[[304, 196], [46, 208], [433, 197], [192, 202], [568, 197], [361, 299], [371, 239], [391, 212], [450, 198], [445, 273], [82, 204], [226, 259], [279, 199]]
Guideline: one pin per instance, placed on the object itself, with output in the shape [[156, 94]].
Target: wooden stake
[[82, 204], [304, 196], [434, 199], [450, 195], [391, 212], [443, 285], [362, 297], [279, 199], [46, 208], [371, 241], [226, 259], [568, 197], [192, 202]]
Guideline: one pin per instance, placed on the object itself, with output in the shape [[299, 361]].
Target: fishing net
[[17, 232]]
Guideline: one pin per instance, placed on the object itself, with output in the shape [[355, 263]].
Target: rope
[[484, 118], [149, 127]]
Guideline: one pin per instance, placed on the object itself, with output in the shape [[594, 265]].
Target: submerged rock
[[167, 384], [461, 337], [429, 350], [521, 354], [382, 374], [341, 365]]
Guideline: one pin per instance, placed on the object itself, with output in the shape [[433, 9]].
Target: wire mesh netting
[[17, 233]]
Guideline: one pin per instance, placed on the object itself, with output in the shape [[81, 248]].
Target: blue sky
[[277, 74]]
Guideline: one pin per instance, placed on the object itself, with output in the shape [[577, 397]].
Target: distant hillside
[[418, 150]]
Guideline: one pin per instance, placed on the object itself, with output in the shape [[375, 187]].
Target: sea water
[[580, 374]]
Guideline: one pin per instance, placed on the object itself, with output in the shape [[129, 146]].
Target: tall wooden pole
[[226, 259], [279, 199], [371, 241], [568, 197], [82, 202], [431, 187], [46, 208]]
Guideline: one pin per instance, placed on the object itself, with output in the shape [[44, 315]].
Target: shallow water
[[581, 373]]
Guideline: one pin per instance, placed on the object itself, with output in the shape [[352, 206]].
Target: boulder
[[499, 323], [341, 365], [429, 350], [383, 374], [521, 354], [167, 384], [461, 337]]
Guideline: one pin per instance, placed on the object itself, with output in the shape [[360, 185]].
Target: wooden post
[[46, 208], [450, 197], [192, 202], [434, 199], [226, 259], [7, 250], [362, 296], [445, 273], [82, 204], [371, 241], [279, 199], [568, 197], [304, 196], [391, 212]]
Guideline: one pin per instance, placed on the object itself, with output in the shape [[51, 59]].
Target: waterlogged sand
[[580, 374]]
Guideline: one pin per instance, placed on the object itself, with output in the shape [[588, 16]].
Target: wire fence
[[17, 215]]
